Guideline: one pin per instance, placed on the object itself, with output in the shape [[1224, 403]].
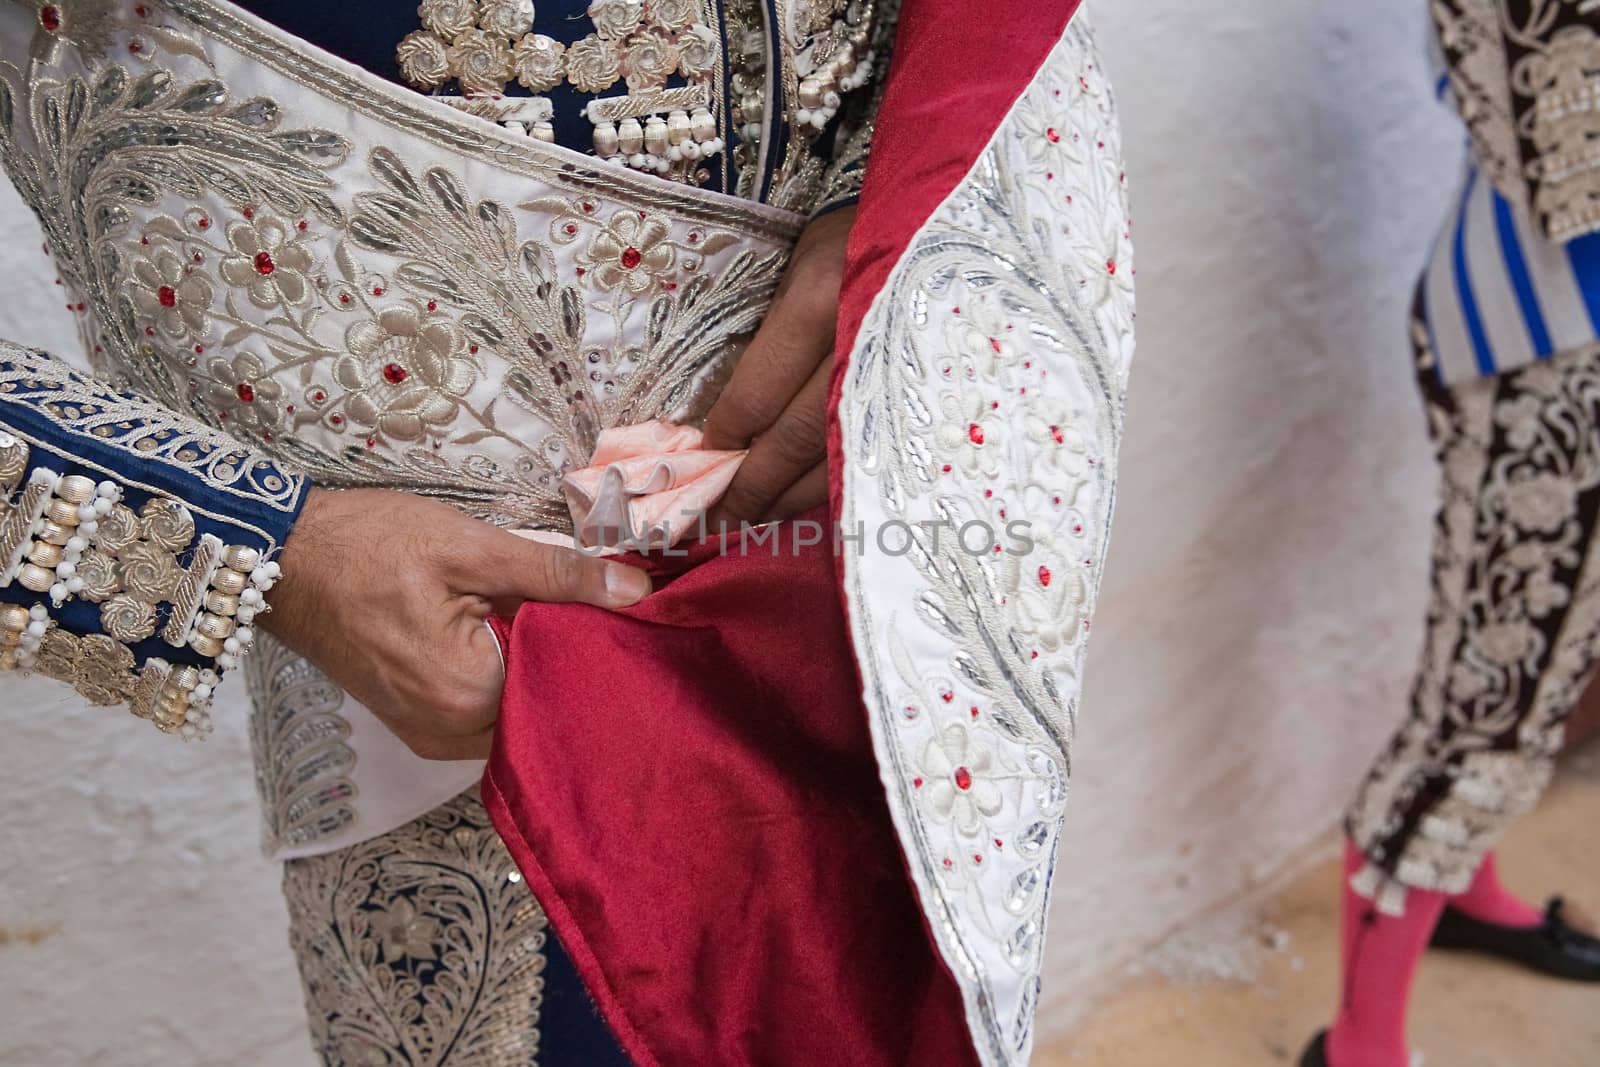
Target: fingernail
[[626, 584]]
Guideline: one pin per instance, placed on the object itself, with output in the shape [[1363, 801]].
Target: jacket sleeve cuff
[[136, 543]]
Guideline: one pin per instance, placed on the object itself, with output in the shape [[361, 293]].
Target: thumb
[[508, 569]]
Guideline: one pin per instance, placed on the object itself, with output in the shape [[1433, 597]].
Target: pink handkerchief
[[647, 486]]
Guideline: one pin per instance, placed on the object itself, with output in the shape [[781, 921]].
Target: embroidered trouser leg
[[1513, 625], [420, 947]]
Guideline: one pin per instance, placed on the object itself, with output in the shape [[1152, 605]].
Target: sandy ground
[[1251, 984]]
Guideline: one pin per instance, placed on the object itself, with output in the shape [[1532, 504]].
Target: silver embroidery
[[421, 947], [986, 389], [302, 755], [1513, 626]]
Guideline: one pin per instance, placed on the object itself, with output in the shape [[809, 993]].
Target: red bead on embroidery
[[264, 264], [630, 258], [963, 778], [1044, 576], [246, 392], [50, 17], [168, 296], [1052, 135], [975, 434], [394, 373]]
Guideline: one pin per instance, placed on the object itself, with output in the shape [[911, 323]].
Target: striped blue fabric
[[1498, 295]]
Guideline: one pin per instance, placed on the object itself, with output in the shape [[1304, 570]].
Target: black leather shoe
[[1316, 1053], [1552, 948]]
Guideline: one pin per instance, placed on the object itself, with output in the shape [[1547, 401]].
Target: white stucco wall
[[1259, 617]]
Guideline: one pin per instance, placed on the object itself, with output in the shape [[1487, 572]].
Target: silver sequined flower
[[267, 263], [631, 252], [481, 63], [537, 62], [173, 300], [449, 18], [614, 19], [506, 18], [592, 65], [652, 56], [423, 59], [405, 373]]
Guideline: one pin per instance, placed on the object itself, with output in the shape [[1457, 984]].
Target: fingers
[[793, 445], [796, 335], [447, 709], [809, 491], [507, 569]]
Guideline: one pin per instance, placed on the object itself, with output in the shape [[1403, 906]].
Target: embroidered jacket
[[135, 543], [310, 274]]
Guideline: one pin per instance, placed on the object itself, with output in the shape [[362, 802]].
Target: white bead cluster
[[183, 706], [62, 534], [820, 91], [21, 632], [224, 630], [657, 145]]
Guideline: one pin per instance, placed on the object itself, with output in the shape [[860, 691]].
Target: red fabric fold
[[689, 787]]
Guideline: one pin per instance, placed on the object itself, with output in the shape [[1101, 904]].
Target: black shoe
[[1316, 1053], [1552, 948]]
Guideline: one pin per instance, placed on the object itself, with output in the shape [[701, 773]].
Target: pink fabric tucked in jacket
[[646, 485]]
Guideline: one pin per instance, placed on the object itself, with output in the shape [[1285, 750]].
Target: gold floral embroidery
[[167, 295], [421, 946], [405, 372], [267, 263], [632, 252], [483, 44], [99, 667]]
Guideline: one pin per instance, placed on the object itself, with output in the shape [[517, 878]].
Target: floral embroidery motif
[[405, 372], [166, 294], [960, 784], [266, 263], [631, 252], [421, 946], [981, 412], [1513, 625]]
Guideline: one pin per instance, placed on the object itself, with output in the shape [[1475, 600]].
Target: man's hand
[[776, 404], [387, 592]]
